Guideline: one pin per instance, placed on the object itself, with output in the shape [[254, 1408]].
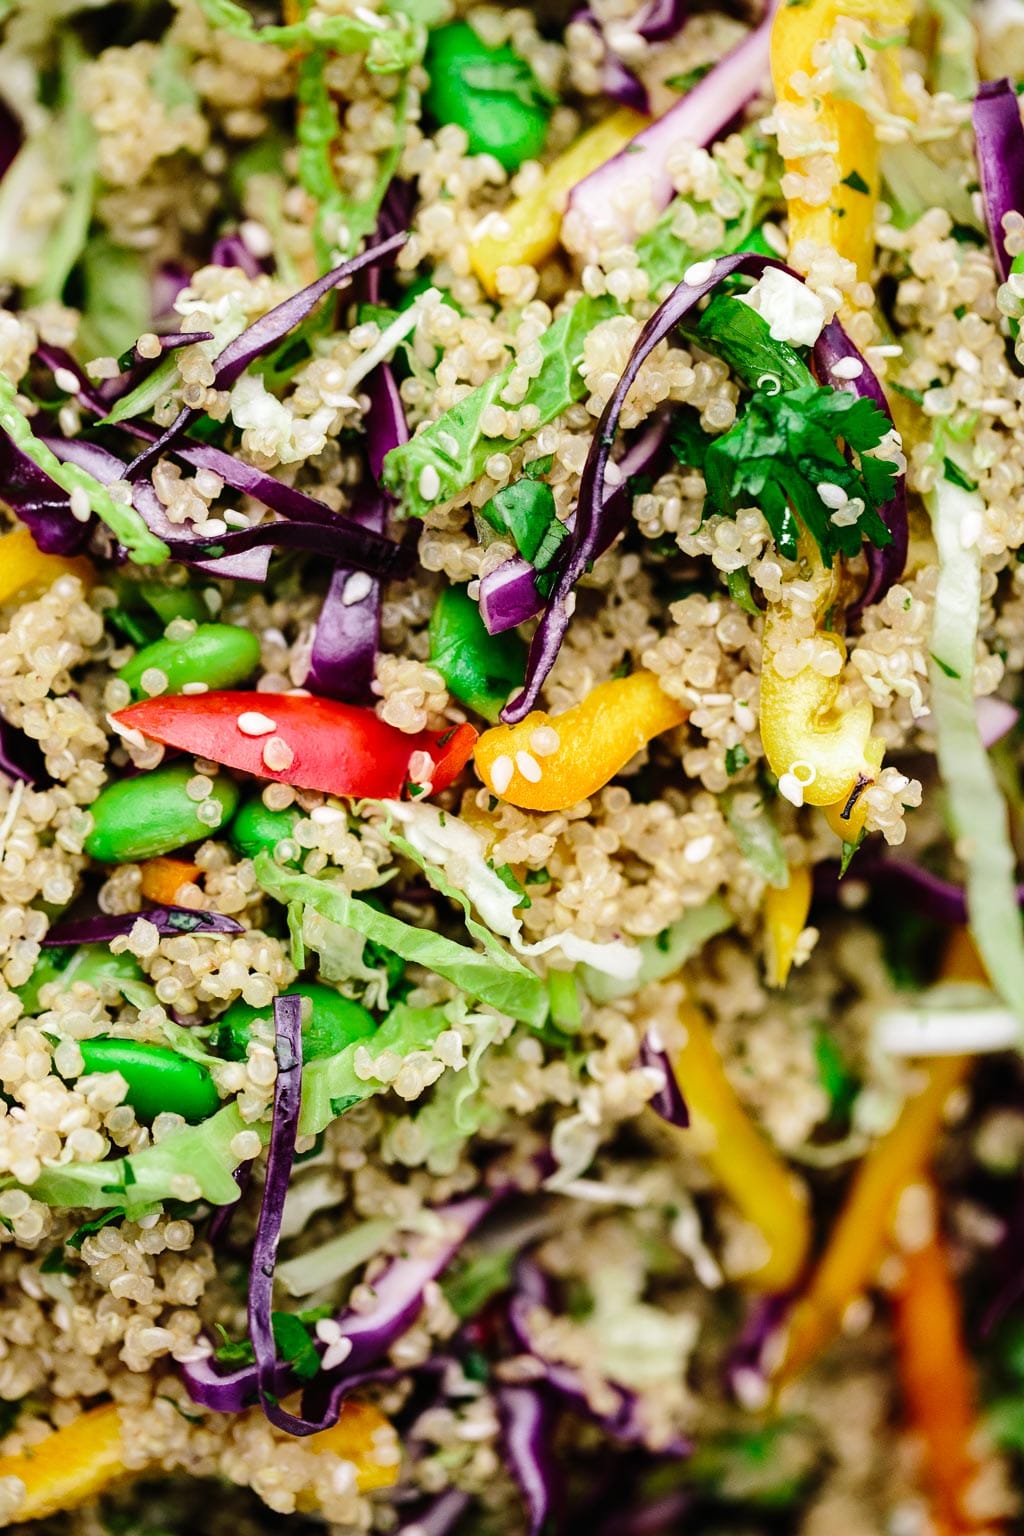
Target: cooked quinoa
[[452, 1087]]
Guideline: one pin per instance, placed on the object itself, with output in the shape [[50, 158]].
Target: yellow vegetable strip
[[79, 1462], [785, 917], [759, 1184], [526, 232], [550, 762], [23, 565]]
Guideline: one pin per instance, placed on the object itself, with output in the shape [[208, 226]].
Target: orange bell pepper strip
[[162, 878], [785, 917], [938, 1386], [305, 741], [550, 762], [24, 566], [76, 1464], [526, 232], [758, 1183], [860, 1237]]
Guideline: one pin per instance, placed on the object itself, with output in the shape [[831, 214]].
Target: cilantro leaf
[[525, 512], [784, 447]]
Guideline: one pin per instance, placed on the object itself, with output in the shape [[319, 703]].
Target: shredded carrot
[[162, 878], [938, 1385]]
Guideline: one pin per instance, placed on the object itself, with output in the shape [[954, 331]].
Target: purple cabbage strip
[[224, 1215], [40, 503], [697, 118], [168, 281], [385, 424], [753, 1355], [885, 566], [624, 1422], [259, 337], [106, 926], [438, 1517], [668, 1102], [509, 595], [280, 1157], [20, 756], [999, 139], [11, 137], [939, 899], [348, 627], [657, 22], [232, 251], [528, 1418], [662, 1516], [588, 531], [399, 1292]]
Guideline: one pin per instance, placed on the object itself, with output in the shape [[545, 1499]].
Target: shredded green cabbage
[[390, 44], [664, 955], [976, 805]]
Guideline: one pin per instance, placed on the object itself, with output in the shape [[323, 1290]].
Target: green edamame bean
[[256, 828], [152, 814], [479, 669], [490, 92], [219, 655], [159, 1080], [93, 963], [170, 603], [333, 1023]]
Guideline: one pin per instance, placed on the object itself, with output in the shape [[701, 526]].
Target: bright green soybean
[[93, 963], [159, 1080], [152, 814], [256, 828], [490, 92], [334, 1022], [219, 655], [169, 602], [479, 669]]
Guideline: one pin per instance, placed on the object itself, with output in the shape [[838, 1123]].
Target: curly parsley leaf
[[786, 446]]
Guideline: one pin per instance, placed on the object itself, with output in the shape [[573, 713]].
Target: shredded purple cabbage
[[232, 251], [668, 1102], [624, 1422], [11, 137], [588, 532], [168, 920], [885, 566], [663, 1516], [657, 22], [224, 1215], [259, 337], [933, 897], [754, 1354], [280, 1157], [696, 118], [348, 627], [438, 1517], [999, 139], [42, 505], [168, 281], [509, 595], [528, 1417]]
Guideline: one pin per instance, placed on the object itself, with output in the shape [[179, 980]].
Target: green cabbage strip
[[123, 521], [663, 955], [77, 151], [976, 805], [495, 977], [390, 44], [455, 447]]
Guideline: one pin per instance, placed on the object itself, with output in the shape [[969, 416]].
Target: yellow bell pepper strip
[[526, 232], [23, 565], [861, 1234], [765, 1191], [821, 755], [938, 1386], [844, 221], [785, 917], [76, 1464], [162, 878], [550, 762]]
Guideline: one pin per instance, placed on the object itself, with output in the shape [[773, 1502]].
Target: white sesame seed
[[358, 587], [65, 380], [277, 754], [252, 723], [81, 510], [529, 767], [449, 443], [791, 789], [698, 273], [336, 1354], [429, 483], [193, 688], [328, 1330], [235, 519], [326, 815], [502, 770], [832, 495], [697, 851], [545, 741], [421, 766], [847, 368]]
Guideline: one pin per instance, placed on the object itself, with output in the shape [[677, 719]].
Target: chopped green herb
[[855, 181]]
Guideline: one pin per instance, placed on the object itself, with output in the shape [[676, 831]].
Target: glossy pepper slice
[[305, 741], [550, 762], [23, 565]]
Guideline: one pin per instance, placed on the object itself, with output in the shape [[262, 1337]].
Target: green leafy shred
[[758, 840], [123, 521], [525, 512], [391, 44], [664, 954], [784, 447]]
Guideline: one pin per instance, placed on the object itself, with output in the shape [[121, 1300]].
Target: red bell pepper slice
[[302, 740]]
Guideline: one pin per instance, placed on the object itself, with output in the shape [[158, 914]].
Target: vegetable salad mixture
[[512, 773]]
